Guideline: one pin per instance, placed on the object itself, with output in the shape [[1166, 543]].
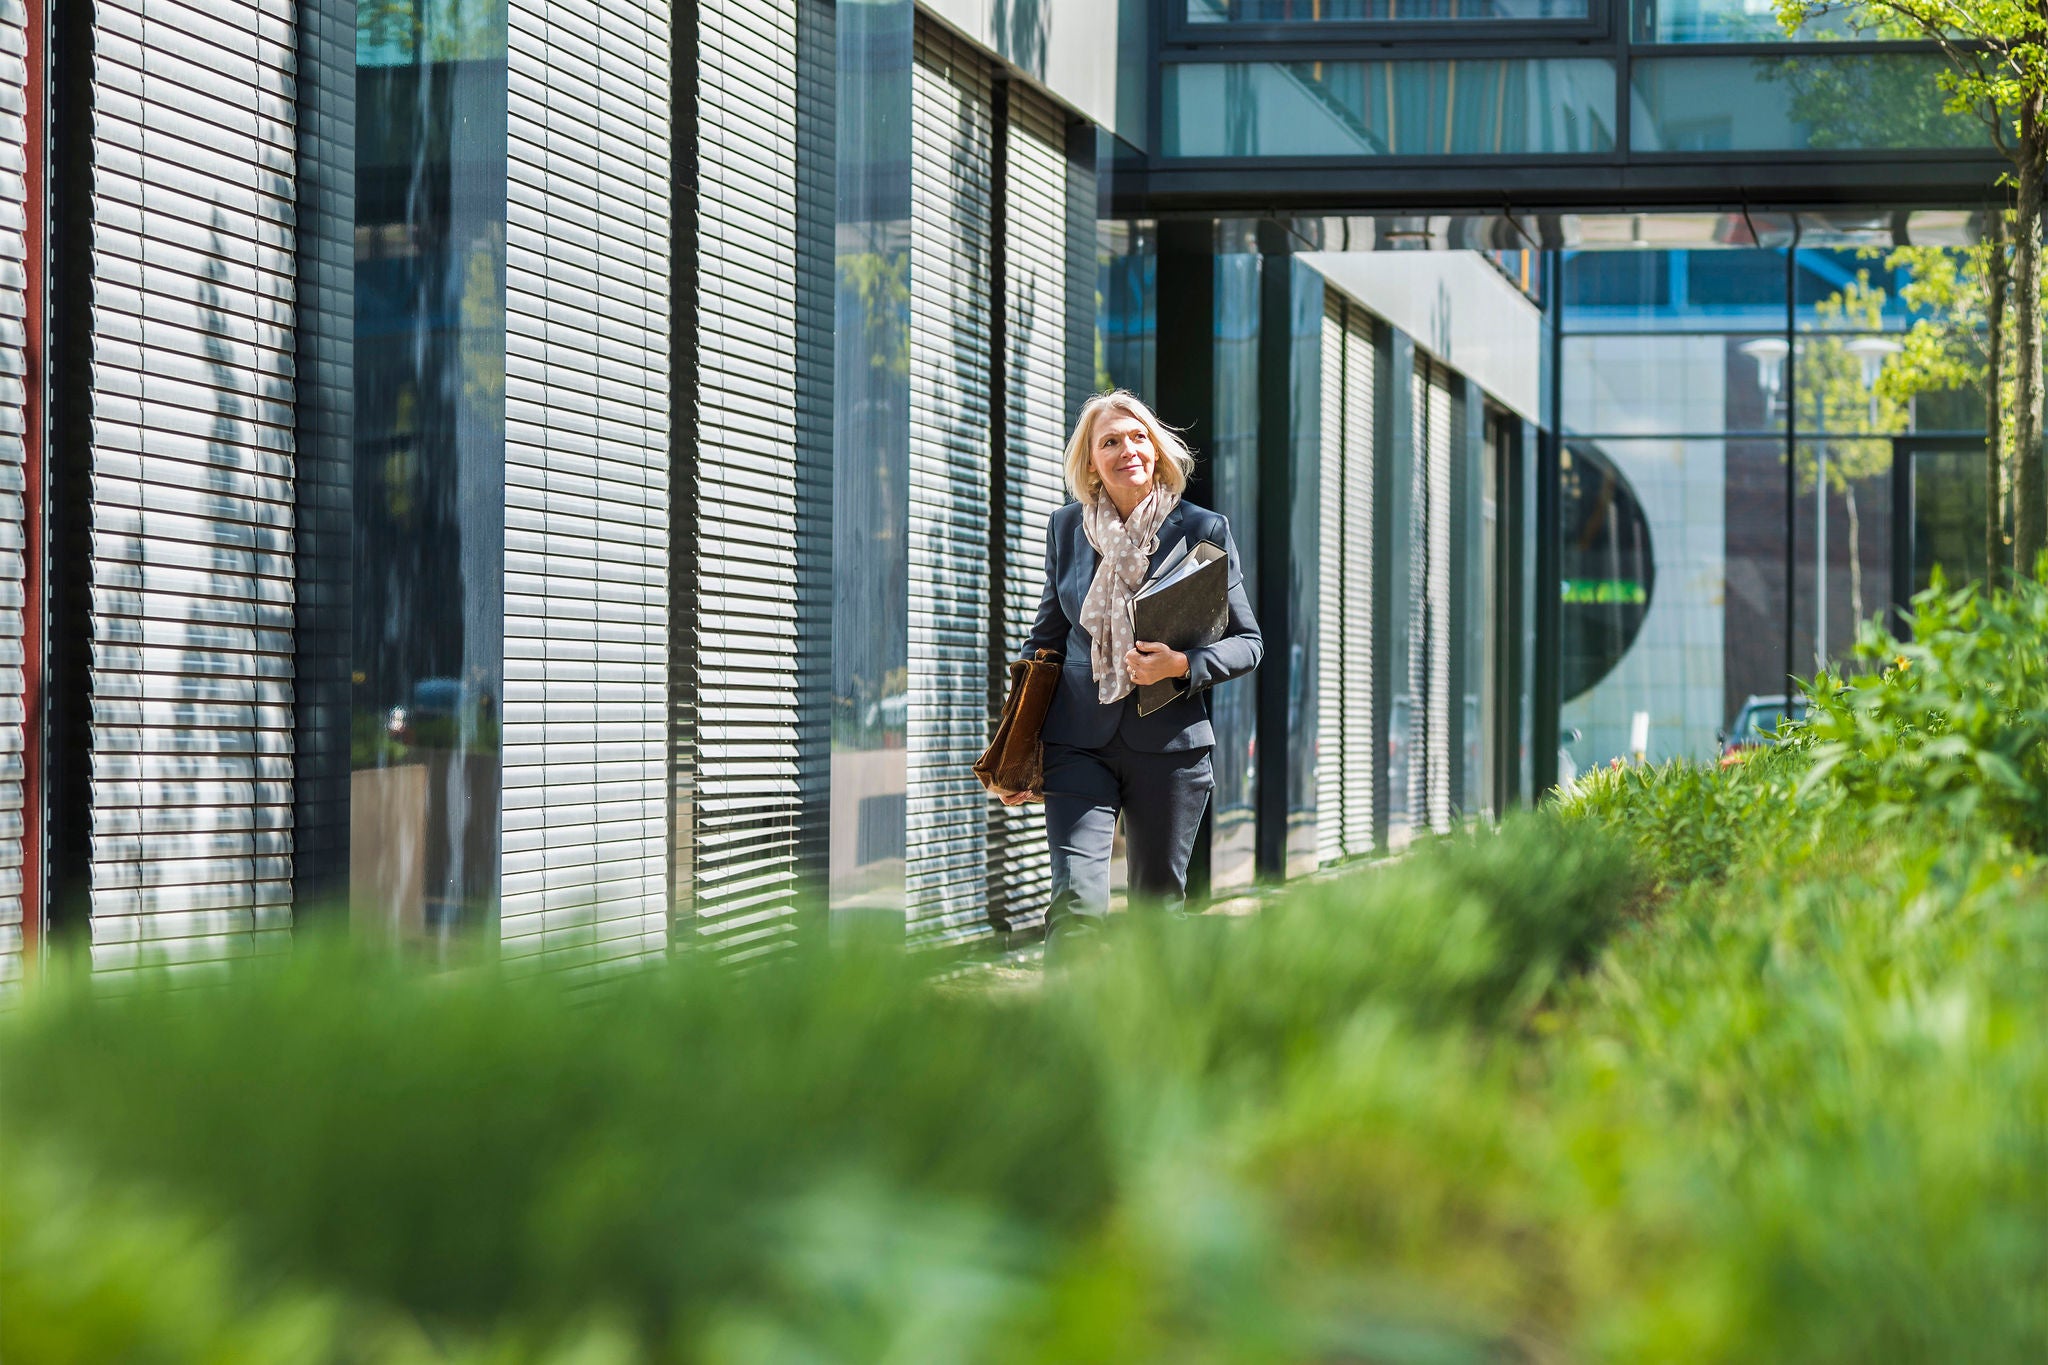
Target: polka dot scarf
[[1126, 548]]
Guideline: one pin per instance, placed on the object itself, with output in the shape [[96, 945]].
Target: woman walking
[[1127, 473]]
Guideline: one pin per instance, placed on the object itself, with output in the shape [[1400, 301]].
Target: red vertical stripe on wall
[[36, 413]]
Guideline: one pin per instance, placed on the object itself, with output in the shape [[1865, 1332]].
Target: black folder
[[1183, 606]]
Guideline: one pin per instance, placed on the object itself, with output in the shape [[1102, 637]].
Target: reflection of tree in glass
[[483, 320], [881, 281], [206, 748], [1835, 402], [1995, 54], [1865, 102], [398, 32], [1960, 335]]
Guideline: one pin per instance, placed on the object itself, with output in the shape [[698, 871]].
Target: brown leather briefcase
[[1015, 761]]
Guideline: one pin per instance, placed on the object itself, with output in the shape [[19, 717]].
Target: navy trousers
[[1161, 798]]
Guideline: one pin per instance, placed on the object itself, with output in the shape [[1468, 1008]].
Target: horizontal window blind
[[14, 378], [584, 860], [1362, 755], [1036, 365], [191, 674], [951, 175], [1333, 736], [740, 844], [1444, 436]]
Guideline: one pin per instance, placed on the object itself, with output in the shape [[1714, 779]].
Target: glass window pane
[[429, 604], [1490, 107], [1843, 555], [1378, 11], [1642, 623], [1949, 492], [1726, 21], [1797, 102], [1669, 385], [1838, 392]]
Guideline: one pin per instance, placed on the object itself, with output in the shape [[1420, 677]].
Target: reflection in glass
[[1607, 569], [1481, 107], [1379, 11], [1663, 385], [1727, 21], [871, 455], [1644, 579], [1127, 308], [1734, 289], [1807, 101], [1234, 486], [1753, 644], [430, 467], [1844, 558], [1949, 490]]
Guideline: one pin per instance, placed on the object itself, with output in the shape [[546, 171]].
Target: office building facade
[[564, 482]]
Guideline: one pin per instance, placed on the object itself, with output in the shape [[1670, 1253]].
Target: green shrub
[[1950, 726], [1473, 927], [1705, 1064], [470, 1149], [1689, 822]]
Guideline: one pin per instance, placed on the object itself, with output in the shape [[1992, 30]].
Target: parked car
[[1757, 724]]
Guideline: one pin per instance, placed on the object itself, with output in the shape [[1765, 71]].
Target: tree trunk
[[1994, 399], [1855, 558], [2030, 512]]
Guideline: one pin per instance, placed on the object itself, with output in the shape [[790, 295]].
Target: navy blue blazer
[[1076, 717]]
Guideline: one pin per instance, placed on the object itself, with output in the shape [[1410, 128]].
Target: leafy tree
[[1997, 72], [1959, 340]]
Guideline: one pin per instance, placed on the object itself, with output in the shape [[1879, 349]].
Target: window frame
[[1179, 31]]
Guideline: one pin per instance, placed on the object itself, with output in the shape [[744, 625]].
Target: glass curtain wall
[[1689, 585], [430, 468], [1538, 78]]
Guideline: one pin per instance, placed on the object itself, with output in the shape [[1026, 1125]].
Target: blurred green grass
[[1707, 1065]]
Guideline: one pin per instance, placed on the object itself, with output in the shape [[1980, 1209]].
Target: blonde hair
[[1175, 461]]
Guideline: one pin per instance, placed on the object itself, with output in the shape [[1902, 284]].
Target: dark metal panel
[[1278, 560], [1186, 291], [324, 441], [816, 203], [1584, 185]]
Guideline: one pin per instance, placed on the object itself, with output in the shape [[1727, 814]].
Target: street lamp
[[1872, 352], [1769, 354]]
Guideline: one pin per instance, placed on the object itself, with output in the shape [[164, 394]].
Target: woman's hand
[[1019, 798], [1151, 662]]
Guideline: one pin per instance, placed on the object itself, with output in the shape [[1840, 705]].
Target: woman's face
[[1124, 456]]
